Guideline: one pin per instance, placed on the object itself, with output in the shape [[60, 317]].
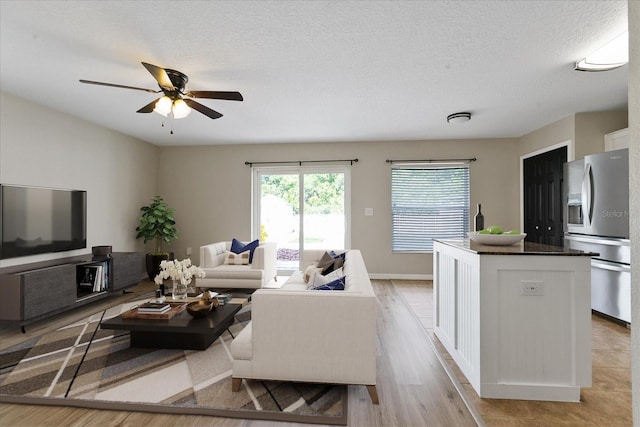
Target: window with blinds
[[428, 203]]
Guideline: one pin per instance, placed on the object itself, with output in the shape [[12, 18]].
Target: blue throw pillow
[[238, 247], [336, 285]]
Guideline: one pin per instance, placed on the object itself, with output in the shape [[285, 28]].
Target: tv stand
[[32, 292]]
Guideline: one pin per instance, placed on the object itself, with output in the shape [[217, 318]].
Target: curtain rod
[[473, 159], [300, 162]]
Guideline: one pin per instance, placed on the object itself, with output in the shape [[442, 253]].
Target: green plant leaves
[[157, 222]]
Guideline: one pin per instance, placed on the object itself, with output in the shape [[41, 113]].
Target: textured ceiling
[[314, 71]]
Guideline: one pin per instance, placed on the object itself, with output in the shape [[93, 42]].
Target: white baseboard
[[392, 276]]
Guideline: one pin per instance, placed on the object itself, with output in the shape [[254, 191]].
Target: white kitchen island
[[516, 319]]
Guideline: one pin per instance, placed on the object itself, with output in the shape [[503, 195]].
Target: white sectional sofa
[[256, 275], [297, 334]]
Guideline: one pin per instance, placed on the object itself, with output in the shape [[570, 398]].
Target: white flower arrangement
[[181, 271]]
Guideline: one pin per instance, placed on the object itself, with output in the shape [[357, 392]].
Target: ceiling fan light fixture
[[180, 109], [163, 106], [458, 117], [172, 83]]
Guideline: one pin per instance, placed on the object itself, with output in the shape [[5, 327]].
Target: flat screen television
[[35, 220]]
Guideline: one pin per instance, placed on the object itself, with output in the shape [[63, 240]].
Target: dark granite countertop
[[522, 248]]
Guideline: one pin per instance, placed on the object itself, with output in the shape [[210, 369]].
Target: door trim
[[301, 170], [571, 153]]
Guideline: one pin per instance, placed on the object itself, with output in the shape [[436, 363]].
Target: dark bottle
[[479, 219]]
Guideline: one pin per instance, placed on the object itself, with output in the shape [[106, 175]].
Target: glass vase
[[179, 290]]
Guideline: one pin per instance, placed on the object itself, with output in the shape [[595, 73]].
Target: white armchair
[[255, 275]]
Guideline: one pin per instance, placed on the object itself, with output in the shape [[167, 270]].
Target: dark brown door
[[543, 197]]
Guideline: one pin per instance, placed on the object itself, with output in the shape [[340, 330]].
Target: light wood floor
[[413, 387], [606, 403]]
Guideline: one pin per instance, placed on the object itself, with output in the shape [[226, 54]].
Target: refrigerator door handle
[[623, 268], [601, 241], [587, 193]]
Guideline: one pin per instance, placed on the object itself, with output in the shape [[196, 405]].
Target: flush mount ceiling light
[[458, 117], [610, 56]]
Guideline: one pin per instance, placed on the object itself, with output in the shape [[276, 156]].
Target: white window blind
[[428, 202]]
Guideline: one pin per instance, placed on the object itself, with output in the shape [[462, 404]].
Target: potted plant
[[158, 223]]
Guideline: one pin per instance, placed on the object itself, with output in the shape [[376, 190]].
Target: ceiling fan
[[175, 100]]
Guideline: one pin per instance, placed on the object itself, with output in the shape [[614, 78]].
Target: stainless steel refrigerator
[[596, 216]]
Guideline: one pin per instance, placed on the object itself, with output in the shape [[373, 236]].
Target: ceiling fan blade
[[149, 107], [120, 86], [229, 96], [160, 75], [204, 110]]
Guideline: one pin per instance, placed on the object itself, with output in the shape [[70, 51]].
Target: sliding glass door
[[301, 208]]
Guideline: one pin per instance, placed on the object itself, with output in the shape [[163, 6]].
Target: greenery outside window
[[301, 207], [428, 202]]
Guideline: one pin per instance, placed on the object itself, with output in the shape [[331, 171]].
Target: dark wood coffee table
[[181, 331]]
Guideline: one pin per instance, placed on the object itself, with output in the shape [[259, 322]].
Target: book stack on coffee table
[[154, 307], [154, 310]]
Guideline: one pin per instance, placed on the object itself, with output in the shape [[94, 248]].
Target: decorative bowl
[[496, 239], [199, 308]]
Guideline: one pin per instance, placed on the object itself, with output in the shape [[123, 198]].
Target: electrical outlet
[[531, 289], [188, 251], [368, 211]]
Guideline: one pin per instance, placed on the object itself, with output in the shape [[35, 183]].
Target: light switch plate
[[368, 211]]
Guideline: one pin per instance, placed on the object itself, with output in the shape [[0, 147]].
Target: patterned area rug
[[85, 366]]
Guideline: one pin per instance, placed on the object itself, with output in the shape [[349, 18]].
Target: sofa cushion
[[296, 277], [211, 253], [321, 279], [295, 282], [233, 272], [237, 258], [238, 247], [335, 285], [310, 271], [295, 286]]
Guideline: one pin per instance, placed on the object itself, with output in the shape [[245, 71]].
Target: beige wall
[[634, 202], [585, 130], [45, 148], [208, 185], [556, 133], [591, 128], [212, 202]]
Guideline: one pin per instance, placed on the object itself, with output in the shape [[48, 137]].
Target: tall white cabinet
[[616, 140]]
